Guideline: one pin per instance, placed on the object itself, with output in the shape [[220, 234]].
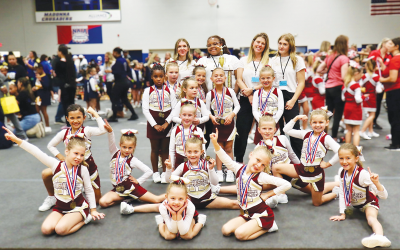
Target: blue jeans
[[60, 112], [29, 121]]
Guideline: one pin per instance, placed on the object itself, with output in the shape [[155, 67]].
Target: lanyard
[[216, 65], [283, 71], [182, 62], [255, 69]]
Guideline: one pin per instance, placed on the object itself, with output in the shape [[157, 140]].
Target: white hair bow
[[359, 148], [179, 180], [129, 131], [325, 108], [79, 135]]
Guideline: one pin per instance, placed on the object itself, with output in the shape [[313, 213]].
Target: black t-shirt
[[16, 72], [26, 104]]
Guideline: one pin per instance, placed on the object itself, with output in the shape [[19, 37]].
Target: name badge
[[283, 83], [255, 79]]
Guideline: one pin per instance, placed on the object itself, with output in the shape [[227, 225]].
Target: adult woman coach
[[290, 78], [183, 57], [248, 80], [336, 66]]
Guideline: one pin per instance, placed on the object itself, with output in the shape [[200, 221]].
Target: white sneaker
[[283, 199], [250, 141], [273, 228], [230, 176], [364, 136], [126, 208], [272, 202], [101, 112], [375, 241], [215, 189], [373, 134], [159, 219], [163, 178], [156, 177], [342, 125], [109, 113], [201, 218], [220, 176], [336, 190], [48, 203], [159, 162], [47, 129]]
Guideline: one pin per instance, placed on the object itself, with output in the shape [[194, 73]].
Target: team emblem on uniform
[[80, 34]]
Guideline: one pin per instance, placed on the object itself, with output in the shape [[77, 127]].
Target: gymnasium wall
[[157, 24]]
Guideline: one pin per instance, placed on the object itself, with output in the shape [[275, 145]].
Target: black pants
[[67, 98], [109, 86], [379, 98], [243, 127], [119, 95], [209, 128], [393, 106], [288, 115], [336, 105]]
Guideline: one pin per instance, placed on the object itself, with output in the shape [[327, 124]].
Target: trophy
[[229, 71]]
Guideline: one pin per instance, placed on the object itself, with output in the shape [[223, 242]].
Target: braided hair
[[157, 66]]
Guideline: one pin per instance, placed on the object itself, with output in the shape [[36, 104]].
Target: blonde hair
[[189, 56], [264, 54], [370, 66], [77, 141], [353, 149], [180, 185], [315, 66], [185, 84], [265, 119], [194, 140], [384, 40], [131, 137], [349, 75], [188, 105], [292, 47], [111, 59], [267, 69], [171, 64], [325, 46], [319, 112], [151, 59], [267, 152]]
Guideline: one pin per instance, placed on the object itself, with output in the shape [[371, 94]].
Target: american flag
[[385, 7]]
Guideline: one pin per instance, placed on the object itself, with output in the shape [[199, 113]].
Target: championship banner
[[79, 34]]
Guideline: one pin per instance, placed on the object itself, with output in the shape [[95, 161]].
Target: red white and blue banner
[[385, 7], [79, 34]]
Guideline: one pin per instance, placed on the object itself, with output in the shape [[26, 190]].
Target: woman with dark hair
[[392, 89], [335, 65], [65, 71], [26, 102]]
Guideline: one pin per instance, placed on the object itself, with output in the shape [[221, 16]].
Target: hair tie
[[359, 148], [267, 66], [78, 135], [186, 101], [129, 131], [198, 135], [179, 180], [325, 108]]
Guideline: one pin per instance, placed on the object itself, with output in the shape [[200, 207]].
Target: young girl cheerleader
[[318, 83], [181, 133], [315, 146], [202, 175], [224, 106], [71, 210], [256, 217], [189, 94], [369, 83], [42, 90], [199, 73], [91, 88], [172, 71], [268, 100], [158, 101], [351, 95], [121, 165], [137, 84], [178, 216], [75, 116], [359, 188], [303, 103]]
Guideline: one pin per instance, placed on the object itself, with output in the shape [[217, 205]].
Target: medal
[[222, 121], [349, 211], [312, 148], [160, 99], [311, 169], [244, 187], [263, 105], [161, 114], [202, 97], [208, 158], [184, 137], [119, 168], [219, 104], [348, 189], [120, 189], [72, 205], [201, 165]]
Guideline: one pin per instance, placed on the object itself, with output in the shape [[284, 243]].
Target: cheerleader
[[172, 71], [351, 95], [315, 146], [71, 210], [199, 72], [158, 101], [178, 216], [181, 133], [121, 165], [369, 82], [136, 85], [318, 83], [201, 174], [75, 116], [256, 217], [183, 58], [359, 188], [189, 95], [91, 88], [268, 100], [42, 90], [224, 106]]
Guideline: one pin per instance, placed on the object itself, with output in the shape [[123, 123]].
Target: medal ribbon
[[219, 105], [71, 181], [175, 85], [183, 135], [243, 188], [201, 93], [69, 132], [347, 191], [201, 165], [312, 149], [160, 99], [262, 105], [119, 168]]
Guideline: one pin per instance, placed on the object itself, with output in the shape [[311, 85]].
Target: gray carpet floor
[[301, 225]]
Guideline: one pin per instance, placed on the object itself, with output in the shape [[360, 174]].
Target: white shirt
[[181, 226], [185, 68], [290, 73], [109, 76], [250, 70]]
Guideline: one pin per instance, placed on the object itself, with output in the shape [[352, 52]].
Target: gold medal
[[208, 158], [349, 211], [221, 121], [72, 205], [311, 169], [161, 114], [120, 189]]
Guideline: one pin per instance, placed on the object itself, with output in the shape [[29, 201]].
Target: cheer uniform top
[[274, 105], [370, 82], [157, 105], [176, 88], [250, 202], [89, 132], [308, 88], [353, 99], [43, 91], [91, 88], [363, 191], [185, 68], [120, 170], [201, 94], [177, 145], [318, 100], [312, 154], [202, 112], [221, 105], [182, 226], [201, 178], [64, 201]]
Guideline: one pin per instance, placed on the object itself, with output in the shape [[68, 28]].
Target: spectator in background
[[196, 54], [323, 49], [99, 61], [15, 70], [83, 64], [167, 57], [77, 62], [26, 102], [56, 89], [29, 62], [127, 56], [109, 61]]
